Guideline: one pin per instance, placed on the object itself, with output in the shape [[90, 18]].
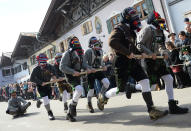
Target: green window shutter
[[150, 6], [109, 26]]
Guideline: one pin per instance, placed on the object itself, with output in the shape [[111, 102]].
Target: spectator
[[185, 41], [187, 59], [188, 27], [30, 91], [7, 91], [25, 87], [17, 105], [173, 39], [110, 71], [1, 94], [188, 31], [111, 57], [18, 89], [187, 21], [34, 91], [174, 63]]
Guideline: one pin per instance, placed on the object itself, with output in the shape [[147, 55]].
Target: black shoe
[[38, 103], [72, 110], [28, 104], [70, 117], [130, 88], [181, 87], [65, 107], [175, 109], [156, 114], [50, 115], [90, 107]]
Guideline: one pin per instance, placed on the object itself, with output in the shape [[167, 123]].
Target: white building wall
[[24, 74], [104, 14], [177, 12], [5, 80], [18, 77]]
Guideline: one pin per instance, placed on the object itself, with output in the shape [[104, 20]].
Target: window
[[12, 71], [51, 52], [24, 66], [87, 28], [64, 45], [33, 59], [98, 25], [62, 49], [18, 69], [115, 20], [142, 10], [112, 22], [6, 72]]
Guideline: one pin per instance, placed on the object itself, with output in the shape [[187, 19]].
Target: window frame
[[33, 60], [116, 19], [87, 28], [25, 66], [4, 72], [142, 10]]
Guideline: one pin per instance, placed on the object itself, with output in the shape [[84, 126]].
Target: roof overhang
[[24, 44], [51, 20], [5, 60]]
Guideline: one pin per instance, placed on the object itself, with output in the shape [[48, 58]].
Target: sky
[[19, 16]]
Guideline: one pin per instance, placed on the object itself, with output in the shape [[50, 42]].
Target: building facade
[[84, 20], [6, 75]]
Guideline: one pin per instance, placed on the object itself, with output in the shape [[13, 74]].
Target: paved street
[[119, 114]]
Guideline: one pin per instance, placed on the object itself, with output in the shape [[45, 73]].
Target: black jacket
[[58, 72], [39, 75], [122, 40], [174, 57]]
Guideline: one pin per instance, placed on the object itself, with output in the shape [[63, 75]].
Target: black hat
[[171, 35], [186, 19]]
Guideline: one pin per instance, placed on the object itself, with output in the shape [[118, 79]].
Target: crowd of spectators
[[179, 47]]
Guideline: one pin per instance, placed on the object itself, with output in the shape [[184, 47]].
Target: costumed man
[[41, 74], [71, 64], [152, 42], [17, 105], [94, 57], [64, 87], [122, 40]]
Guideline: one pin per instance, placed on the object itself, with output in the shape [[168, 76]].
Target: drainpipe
[[168, 13]]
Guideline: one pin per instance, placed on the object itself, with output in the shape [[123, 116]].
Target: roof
[[51, 18], [58, 12], [6, 59], [63, 15], [24, 44], [7, 54]]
